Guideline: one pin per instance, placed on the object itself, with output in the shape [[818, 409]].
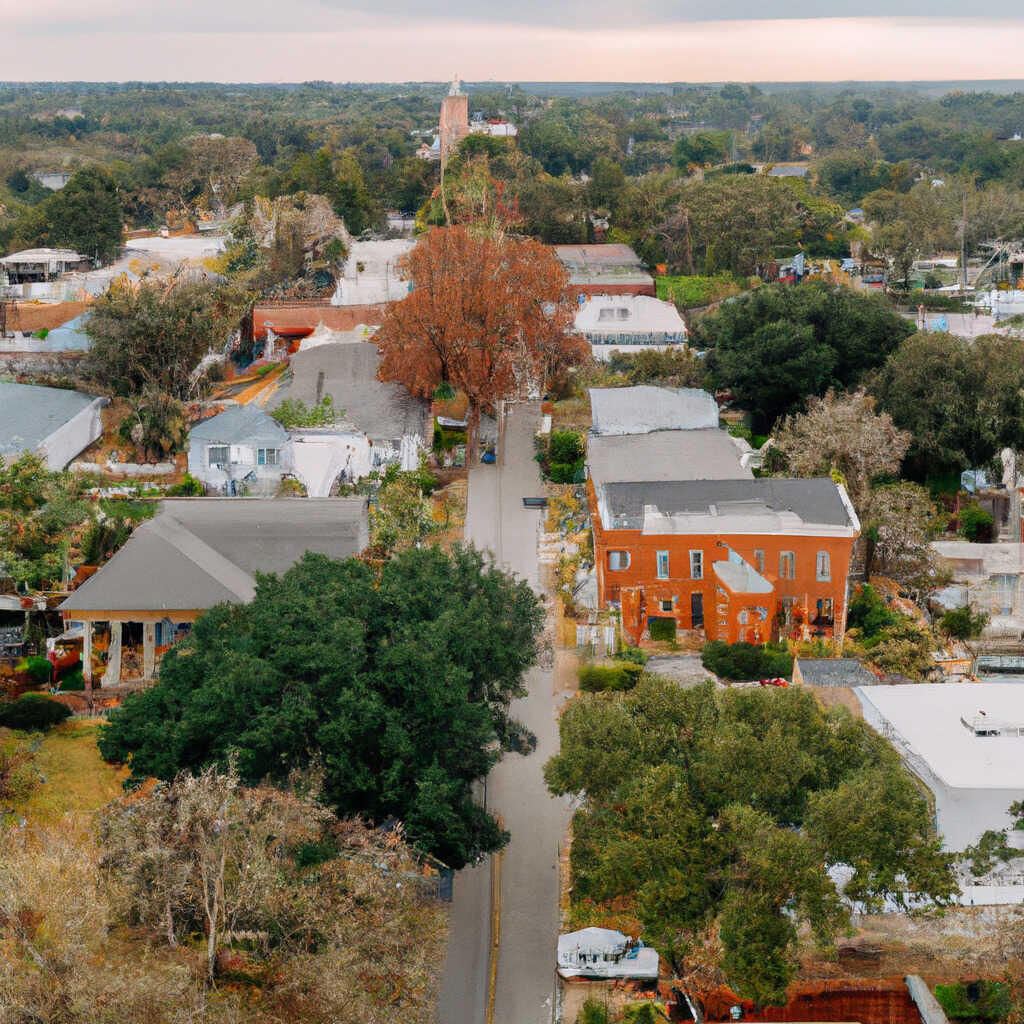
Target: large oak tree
[[488, 315], [397, 682]]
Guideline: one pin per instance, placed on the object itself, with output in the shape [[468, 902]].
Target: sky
[[525, 40]]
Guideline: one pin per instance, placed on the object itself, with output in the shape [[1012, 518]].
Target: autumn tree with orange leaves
[[488, 316]]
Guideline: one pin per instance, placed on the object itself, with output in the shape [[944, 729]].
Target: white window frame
[[696, 564], [263, 457], [823, 567], [620, 566], [759, 560], [211, 461], [787, 561], [662, 556]]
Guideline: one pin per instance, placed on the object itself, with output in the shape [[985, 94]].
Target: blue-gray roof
[[29, 414], [239, 424], [69, 337]]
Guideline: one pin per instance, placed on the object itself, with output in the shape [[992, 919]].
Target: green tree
[[152, 337], [702, 808], [85, 216], [398, 683], [776, 345], [701, 148], [963, 623]]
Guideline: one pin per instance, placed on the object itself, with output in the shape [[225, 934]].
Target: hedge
[[40, 669], [662, 629], [742, 662], [621, 675], [33, 712]]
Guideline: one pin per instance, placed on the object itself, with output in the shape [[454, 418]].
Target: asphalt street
[[525, 991]]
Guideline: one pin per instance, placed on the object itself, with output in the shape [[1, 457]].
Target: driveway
[[525, 987]]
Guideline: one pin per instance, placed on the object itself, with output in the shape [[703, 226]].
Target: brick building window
[[787, 565], [696, 565], [662, 565], [822, 567], [787, 611], [618, 560], [666, 606], [825, 614], [759, 560]]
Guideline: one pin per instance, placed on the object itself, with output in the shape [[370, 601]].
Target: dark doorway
[[696, 611]]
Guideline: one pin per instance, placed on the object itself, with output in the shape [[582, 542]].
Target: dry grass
[[77, 778]]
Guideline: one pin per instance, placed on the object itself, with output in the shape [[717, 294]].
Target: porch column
[[112, 676], [148, 650], [87, 654]]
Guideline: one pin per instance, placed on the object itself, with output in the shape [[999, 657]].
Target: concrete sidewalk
[[525, 991]]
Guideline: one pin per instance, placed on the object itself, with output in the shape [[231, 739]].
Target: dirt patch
[[944, 945], [685, 669], [837, 697]]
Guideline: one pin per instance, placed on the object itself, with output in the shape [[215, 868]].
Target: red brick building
[[742, 559]]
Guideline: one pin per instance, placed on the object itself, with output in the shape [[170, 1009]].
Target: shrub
[[561, 458], [619, 676], [190, 487], [40, 669], [73, 681], [975, 1000], [662, 629], [743, 661], [33, 712], [962, 623], [636, 655], [293, 412], [975, 523], [869, 613], [594, 1012]]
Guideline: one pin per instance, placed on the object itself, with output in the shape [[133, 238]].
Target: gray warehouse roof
[[347, 371], [197, 553], [665, 455], [814, 500], [239, 424], [30, 414]]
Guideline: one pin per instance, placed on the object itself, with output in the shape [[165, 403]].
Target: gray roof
[[665, 455], [384, 412], [30, 414], [200, 552], [69, 337], [239, 424], [834, 672], [814, 500], [641, 409]]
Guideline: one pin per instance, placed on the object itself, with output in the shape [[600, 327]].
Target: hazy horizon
[[693, 41]]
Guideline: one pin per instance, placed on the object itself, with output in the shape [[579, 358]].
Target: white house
[[628, 323], [52, 422], [239, 451]]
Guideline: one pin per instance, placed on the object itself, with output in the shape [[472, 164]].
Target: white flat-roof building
[[613, 323], [965, 741], [374, 273]]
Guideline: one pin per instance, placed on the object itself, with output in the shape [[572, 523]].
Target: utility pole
[[963, 242]]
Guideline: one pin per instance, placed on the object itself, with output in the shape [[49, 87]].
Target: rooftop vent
[[982, 724]]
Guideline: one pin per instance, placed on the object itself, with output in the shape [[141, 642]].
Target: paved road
[[525, 990]]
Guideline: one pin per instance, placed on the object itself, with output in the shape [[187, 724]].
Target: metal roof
[[199, 552], [29, 414], [835, 672], [641, 409], [44, 256]]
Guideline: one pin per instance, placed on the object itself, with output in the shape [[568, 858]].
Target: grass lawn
[[77, 778]]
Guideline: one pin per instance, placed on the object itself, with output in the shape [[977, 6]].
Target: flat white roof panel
[[929, 718]]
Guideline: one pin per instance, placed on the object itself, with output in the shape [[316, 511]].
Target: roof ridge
[[203, 556]]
